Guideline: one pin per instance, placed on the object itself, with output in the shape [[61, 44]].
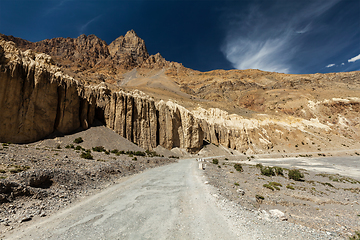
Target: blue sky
[[302, 36]]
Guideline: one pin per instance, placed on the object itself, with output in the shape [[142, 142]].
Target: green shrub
[[139, 153], [171, 156], [236, 184], [78, 140], [86, 155], [267, 171], [259, 197], [58, 146], [290, 187], [107, 152], [115, 151], [78, 148], [269, 186], [238, 167], [215, 161], [275, 185], [121, 152], [67, 146], [134, 159], [259, 165], [279, 171], [151, 153], [296, 175], [2, 171], [98, 149]]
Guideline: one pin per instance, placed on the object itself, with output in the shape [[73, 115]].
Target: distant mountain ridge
[[86, 52]]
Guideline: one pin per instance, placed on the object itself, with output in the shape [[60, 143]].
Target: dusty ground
[[323, 201], [51, 177], [167, 202], [40, 178]]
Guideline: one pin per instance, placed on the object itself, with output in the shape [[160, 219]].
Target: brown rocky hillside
[[246, 110]]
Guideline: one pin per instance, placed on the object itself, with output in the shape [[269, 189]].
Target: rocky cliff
[[250, 111], [37, 98]]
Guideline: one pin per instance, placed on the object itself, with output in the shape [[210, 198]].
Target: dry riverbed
[[326, 202]]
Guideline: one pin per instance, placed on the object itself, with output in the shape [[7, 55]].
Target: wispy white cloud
[[354, 58], [342, 64], [267, 39], [84, 26], [57, 6], [330, 65]]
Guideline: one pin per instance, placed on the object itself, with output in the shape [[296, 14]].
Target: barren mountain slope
[[246, 110]]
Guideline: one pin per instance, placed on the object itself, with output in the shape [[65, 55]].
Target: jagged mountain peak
[[130, 48], [131, 33]]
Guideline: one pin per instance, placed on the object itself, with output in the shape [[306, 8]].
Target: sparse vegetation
[[86, 155], [115, 151], [238, 167], [58, 146], [279, 171], [273, 185], [172, 157], [290, 187], [338, 178], [134, 159], [268, 186], [356, 236], [79, 148], [98, 149], [259, 197], [78, 140], [236, 184], [215, 161], [296, 175], [267, 171], [151, 153], [139, 153]]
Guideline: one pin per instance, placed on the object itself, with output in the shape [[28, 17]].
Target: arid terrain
[[38, 179], [144, 111], [320, 200]]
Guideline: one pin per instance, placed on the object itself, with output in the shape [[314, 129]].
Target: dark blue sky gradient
[[306, 36]]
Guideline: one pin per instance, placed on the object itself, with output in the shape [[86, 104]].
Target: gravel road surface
[[168, 202]]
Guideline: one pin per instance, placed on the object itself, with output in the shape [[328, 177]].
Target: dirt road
[[168, 202]]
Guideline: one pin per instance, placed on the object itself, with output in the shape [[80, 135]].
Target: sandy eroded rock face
[[36, 98], [30, 89]]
